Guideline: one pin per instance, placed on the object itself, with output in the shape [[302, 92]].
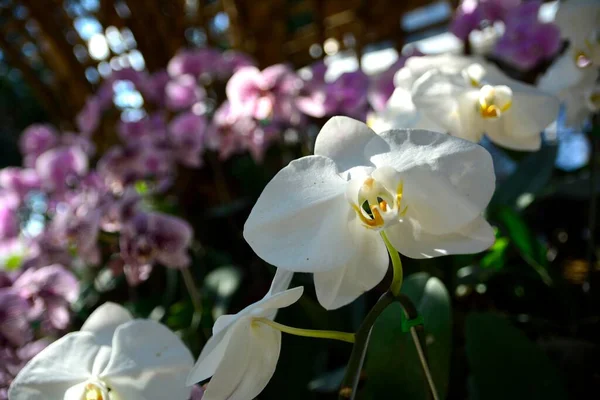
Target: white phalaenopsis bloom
[[574, 73], [324, 213], [400, 111], [482, 101], [112, 357], [242, 354]]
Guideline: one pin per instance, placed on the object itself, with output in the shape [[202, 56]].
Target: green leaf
[[392, 364], [505, 364], [530, 248], [495, 258], [531, 176], [13, 262]]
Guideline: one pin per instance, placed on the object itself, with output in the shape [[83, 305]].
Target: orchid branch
[[336, 335], [396, 265]]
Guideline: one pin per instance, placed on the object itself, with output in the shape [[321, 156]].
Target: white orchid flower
[[573, 73], [242, 354], [113, 357], [324, 213], [471, 104], [579, 22], [400, 111]]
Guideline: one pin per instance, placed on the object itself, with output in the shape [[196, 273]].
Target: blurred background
[[520, 321]]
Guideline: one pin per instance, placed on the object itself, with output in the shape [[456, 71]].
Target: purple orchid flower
[[149, 129], [61, 167], [347, 95], [267, 94], [9, 218], [195, 62], [122, 166], [153, 237], [186, 137], [50, 290], [79, 224], [229, 62], [19, 181], [470, 15], [71, 139], [183, 92], [46, 249], [526, 41], [117, 209], [154, 90], [14, 324], [88, 119], [35, 140], [233, 134], [12, 360]]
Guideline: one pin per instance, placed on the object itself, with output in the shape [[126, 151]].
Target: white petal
[[343, 140], [447, 63], [467, 123], [436, 95], [414, 243], [76, 392], [524, 143], [299, 220], [447, 181], [530, 114], [578, 19], [233, 364], [63, 364], [214, 350], [365, 269], [281, 282], [264, 346], [563, 74], [210, 357], [148, 361], [400, 112], [104, 320]]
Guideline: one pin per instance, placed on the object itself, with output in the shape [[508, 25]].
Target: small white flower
[[510, 113], [400, 111], [577, 69], [242, 354], [113, 357], [324, 213]]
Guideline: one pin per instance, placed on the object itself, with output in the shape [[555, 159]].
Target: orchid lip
[[492, 103], [377, 206], [96, 390]]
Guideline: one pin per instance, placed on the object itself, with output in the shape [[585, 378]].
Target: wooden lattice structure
[[38, 37]]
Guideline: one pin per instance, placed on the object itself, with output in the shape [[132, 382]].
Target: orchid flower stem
[[188, 279], [343, 336], [593, 206], [396, 265], [417, 334], [359, 351]]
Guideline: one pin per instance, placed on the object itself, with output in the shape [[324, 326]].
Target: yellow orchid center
[[376, 205], [493, 101], [96, 390], [93, 392]]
